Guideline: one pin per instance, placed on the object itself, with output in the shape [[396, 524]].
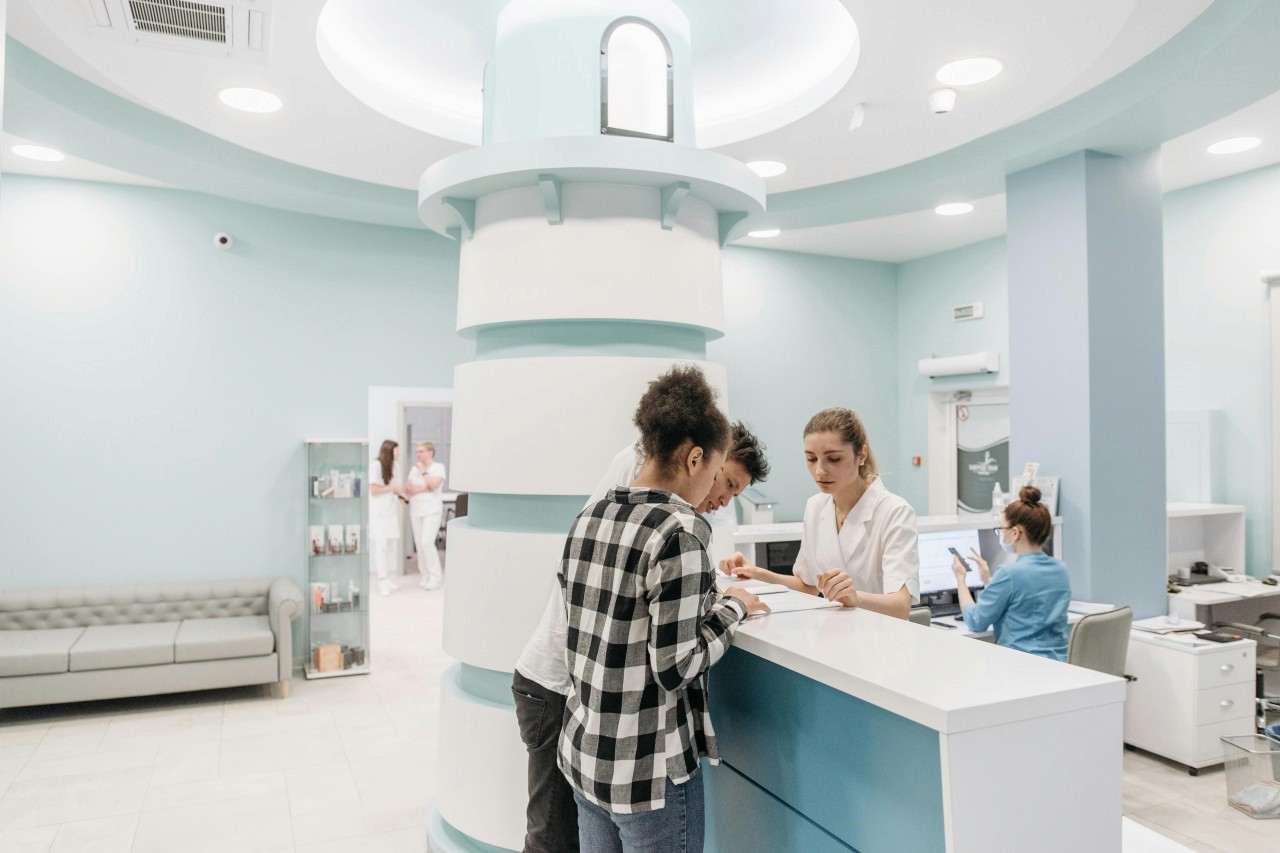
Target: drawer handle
[[1227, 667], [1226, 703]]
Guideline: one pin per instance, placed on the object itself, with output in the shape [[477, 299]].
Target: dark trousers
[[552, 814]]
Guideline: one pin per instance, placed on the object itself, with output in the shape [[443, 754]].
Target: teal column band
[[523, 513], [485, 684], [443, 838], [627, 338]]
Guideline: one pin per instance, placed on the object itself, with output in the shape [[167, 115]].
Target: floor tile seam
[[1195, 832], [248, 798], [82, 772]]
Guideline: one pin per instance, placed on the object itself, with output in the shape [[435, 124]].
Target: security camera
[[223, 240], [942, 100]]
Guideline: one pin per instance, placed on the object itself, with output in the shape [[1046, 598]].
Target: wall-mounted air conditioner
[[957, 365]]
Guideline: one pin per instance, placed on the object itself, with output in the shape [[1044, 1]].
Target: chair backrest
[[1101, 641], [920, 616], [124, 604], [460, 506]]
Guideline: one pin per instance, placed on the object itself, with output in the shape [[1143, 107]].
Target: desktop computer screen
[[935, 560]]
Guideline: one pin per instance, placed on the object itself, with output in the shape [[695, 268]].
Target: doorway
[[968, 450], [433, 422]]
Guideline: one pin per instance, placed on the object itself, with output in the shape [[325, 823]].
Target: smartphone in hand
[[963, 561]]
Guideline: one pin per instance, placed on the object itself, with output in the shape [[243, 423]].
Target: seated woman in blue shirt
[[1027, 599]]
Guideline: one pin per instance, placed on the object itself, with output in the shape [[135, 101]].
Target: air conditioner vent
[[179, 18]]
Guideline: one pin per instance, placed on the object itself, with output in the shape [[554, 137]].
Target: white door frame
[[402, 436], [1273, 280], [942, 441]]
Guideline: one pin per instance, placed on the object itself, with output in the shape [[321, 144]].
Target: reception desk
[[846, 730]]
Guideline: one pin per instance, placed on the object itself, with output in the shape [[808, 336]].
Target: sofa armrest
[[284, 604]]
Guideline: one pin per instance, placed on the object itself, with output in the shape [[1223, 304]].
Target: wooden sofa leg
[[283, 689]]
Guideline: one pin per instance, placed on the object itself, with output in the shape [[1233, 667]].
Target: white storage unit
[[1213, 533], [1188, 696]]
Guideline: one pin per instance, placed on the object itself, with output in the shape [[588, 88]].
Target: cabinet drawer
[[1208, 743], [1232, 665], [1220, 704]]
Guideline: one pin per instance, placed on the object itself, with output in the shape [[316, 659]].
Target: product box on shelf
[[316, 532], [337, 536], [353, 539]]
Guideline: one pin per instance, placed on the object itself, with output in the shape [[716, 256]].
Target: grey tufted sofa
[[72, 644]]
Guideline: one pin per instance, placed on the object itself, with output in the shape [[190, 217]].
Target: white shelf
[[1187, 510], [336, 673]]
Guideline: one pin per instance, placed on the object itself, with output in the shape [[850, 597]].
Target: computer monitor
[[935, 560]]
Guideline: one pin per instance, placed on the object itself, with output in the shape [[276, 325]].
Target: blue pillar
[[1086, 342]]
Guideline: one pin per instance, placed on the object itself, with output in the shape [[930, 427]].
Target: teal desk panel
[[866, 776], [742, 817]]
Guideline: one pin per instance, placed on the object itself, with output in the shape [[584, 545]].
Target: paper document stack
[[752, 586], [1167, 625], [794, 602]]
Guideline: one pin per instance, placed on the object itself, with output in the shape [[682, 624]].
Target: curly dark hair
[[680, 406], [748, 451]]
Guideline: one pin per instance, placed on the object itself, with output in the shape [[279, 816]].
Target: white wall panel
[[483, 782], [609, 259], [547, 426], [495, 591]]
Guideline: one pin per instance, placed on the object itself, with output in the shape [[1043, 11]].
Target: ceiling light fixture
[[955, 208], [767, 232], [1235, 146], [767, 168], [969, 72], [250, 100], [38, 152]]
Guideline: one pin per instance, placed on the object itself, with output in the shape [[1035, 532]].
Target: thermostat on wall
[[972, 311]]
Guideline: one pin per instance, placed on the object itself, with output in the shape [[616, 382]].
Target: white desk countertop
[[924, 676], [1216, 593]]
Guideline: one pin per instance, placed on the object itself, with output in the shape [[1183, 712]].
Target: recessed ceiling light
[[250, 100], [955, 208], [767, 168], [767, 232], [969, 72], [38, 152], [1235, 146]]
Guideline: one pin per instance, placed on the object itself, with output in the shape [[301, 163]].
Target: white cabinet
[[1213, 533], [1186, 697]]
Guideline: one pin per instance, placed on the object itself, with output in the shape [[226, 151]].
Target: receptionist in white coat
[[859, 542]]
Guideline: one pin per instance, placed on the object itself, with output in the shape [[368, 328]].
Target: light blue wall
[[156, 390], [1218, 238], [928, 288], [803, 332]]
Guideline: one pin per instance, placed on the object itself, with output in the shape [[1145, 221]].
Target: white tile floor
[[346, 765]]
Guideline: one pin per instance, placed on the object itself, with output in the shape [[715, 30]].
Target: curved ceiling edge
[[43, 101], [1221, 62]]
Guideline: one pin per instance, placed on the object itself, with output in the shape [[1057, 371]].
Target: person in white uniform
[[859, 541], [385, 494], [541, 680], [424, 486]]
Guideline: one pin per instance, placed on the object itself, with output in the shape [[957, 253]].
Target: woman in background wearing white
[[385, 493], [424, 486]]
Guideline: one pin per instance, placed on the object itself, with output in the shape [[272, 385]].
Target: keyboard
[[936, 610]]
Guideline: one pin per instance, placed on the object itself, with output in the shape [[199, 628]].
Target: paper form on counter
[[794, 602]]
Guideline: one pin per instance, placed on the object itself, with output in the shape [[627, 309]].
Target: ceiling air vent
[[234, 28], [179, 18]]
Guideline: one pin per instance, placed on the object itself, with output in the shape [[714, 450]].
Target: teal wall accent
[[156, 391], [442, 837], [804, 332], [523, 513], [487, 684], [591, 337], [1218, 238], [743, 816], [866, 776], [928, 288]]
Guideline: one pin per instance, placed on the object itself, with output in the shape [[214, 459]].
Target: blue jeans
[[677, 827]]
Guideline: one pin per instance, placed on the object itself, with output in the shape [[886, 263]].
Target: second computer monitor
[[936, 574]]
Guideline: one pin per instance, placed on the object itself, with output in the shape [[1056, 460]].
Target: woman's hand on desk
[[836, 585], [752, 601], [739, 567]]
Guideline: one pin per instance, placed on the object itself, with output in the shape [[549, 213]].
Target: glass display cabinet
[[337, 605]]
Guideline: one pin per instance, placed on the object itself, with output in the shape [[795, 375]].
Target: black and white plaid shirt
[[645, 623]]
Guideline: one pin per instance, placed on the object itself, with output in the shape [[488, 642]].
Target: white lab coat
[[876, 546]]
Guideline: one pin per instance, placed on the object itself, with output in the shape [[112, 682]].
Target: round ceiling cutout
[[755, 69]]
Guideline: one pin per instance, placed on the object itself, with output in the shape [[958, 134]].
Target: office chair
[[1101, 642], [1266, 633], [920, 616]]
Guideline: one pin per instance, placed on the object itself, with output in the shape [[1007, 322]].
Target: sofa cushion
[[36, 652], [116, 646], [215, 639]]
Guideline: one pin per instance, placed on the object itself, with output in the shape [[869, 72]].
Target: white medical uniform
[[384, 524], [876, 546], [426, 509]]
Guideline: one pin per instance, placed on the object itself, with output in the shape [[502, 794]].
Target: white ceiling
[[1052, 53], [70, 167], [1184, 163]]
